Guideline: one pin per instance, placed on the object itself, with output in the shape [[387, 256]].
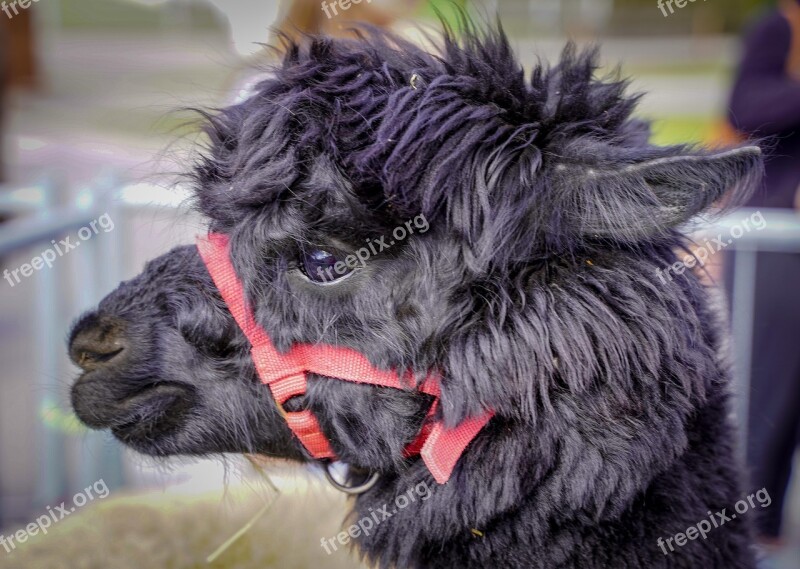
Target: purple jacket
[[766, 102]]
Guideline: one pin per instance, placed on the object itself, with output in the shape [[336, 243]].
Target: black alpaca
[[534, 292]]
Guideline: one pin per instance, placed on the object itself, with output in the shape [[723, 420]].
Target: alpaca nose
[[96, 342]]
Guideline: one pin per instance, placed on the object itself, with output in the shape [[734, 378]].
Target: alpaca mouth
[[154, 411]]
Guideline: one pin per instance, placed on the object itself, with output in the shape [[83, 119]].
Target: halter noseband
[[286, 375]]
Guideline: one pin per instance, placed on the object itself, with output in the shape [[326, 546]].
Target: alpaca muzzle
[[286, 376]]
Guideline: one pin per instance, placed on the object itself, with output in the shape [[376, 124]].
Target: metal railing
[[36, 223], [39, 221], [780, 233], [37, 216]]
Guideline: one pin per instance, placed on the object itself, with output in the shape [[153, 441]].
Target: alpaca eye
[[323, 267]]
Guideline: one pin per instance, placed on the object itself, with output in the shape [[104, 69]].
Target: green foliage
[[731, 15], [682, 130], [121, 14], [448, 9]]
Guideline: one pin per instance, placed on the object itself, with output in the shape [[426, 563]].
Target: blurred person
[[4, 85], [335, 17], [765, 102], [254, 27], [18, 67]]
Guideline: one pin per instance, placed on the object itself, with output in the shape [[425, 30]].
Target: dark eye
[[323, 267]]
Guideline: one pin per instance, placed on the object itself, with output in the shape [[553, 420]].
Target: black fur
[[534, 291]]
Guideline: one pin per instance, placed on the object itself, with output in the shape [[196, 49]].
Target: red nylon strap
[[286, 375]]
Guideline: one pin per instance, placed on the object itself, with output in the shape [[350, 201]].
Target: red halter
[[285, 374]]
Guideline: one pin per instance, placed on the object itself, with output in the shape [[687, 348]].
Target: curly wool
[[535, 291]]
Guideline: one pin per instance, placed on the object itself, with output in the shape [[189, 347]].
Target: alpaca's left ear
[[641, 201]]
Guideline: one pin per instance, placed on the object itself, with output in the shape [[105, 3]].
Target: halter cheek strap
[[286, 375]]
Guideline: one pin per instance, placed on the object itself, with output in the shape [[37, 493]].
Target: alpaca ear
[[645, 200]]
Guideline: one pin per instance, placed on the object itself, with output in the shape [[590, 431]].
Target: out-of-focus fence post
[[60, 295], [780, 233], [51, 483]]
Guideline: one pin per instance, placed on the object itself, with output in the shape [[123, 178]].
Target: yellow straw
[[249, 525], [235, 537]]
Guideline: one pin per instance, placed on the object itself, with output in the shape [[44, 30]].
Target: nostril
[[88, 353], [88, 359], [95, 343]]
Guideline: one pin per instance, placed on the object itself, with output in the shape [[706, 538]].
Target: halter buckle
[[368, 483]]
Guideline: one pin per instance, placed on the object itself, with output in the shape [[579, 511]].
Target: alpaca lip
[[99, 409], [152, 391], [157, 409]]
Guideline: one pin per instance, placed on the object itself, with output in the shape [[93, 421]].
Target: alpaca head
[[534, 217]]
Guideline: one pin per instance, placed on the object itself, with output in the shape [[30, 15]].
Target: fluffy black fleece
[[534, 291]]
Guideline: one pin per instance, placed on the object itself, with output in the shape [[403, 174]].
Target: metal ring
[[369, 483]]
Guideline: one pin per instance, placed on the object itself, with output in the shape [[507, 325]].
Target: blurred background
[[91, 124]]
